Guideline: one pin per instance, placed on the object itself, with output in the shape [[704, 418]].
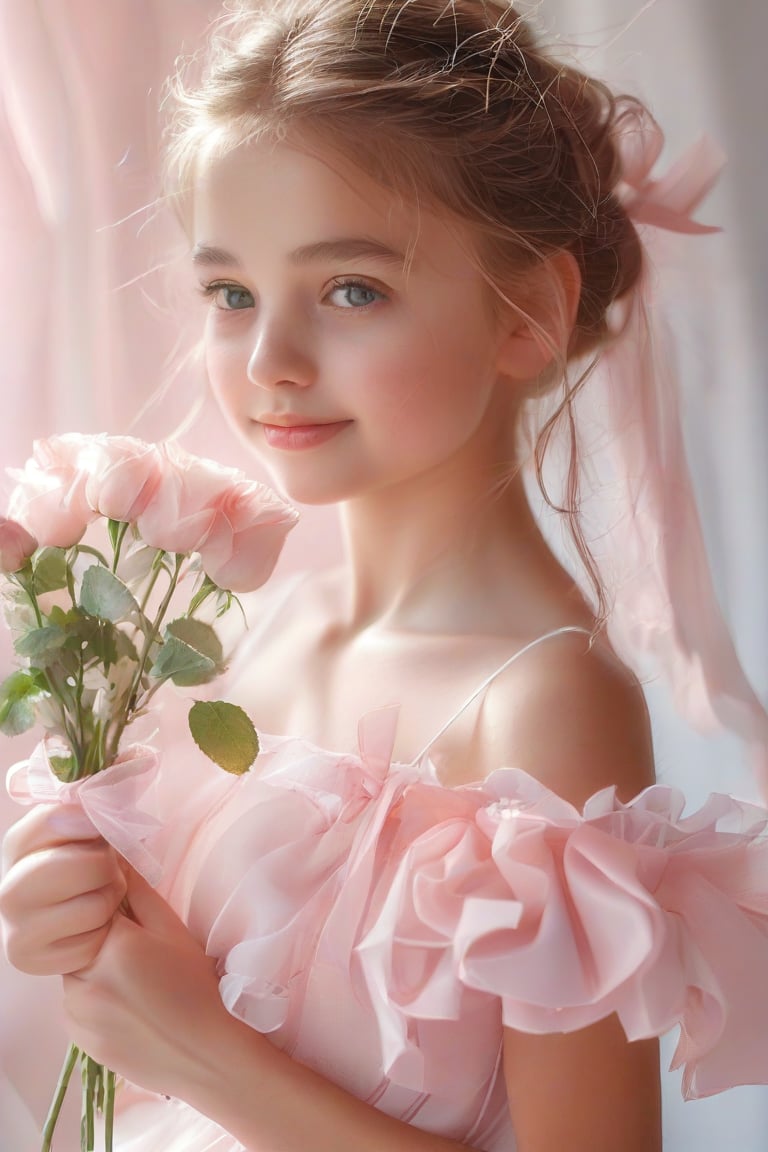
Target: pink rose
[[49, 497], [182, 509], [16, 545], [247, 534], [124, 474]]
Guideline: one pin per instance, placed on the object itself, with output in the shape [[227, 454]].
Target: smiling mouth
[[292, 437], [287, 421]]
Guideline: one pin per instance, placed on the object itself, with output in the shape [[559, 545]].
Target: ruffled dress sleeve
[[567, 917]]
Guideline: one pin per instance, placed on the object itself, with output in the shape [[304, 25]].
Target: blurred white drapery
[[86, 338]]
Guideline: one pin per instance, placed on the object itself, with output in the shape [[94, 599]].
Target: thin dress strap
[[489, 680]]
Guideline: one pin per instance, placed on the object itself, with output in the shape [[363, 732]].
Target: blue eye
[[228, 291], [358, 294]]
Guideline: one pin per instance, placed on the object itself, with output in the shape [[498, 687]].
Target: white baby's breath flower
[[101, 707]]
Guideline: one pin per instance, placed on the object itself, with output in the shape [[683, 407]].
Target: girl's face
[[383, 372]]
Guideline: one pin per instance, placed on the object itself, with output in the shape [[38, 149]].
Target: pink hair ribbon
[[638, 510], [666, 203]]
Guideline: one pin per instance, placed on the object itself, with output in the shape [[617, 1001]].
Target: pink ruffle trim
[[442, 903], [568, 917], [117, 801]]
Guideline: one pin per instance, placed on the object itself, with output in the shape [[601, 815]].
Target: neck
[[444, 555]]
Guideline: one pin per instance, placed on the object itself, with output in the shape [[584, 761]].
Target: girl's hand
[[61, 887], [148, 1005]]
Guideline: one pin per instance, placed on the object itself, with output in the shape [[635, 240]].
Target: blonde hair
[[453, 103]]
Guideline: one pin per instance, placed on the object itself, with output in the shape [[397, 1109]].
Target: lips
[[289, 420], [295, 437]]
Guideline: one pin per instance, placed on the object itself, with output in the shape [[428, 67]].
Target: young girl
[[414, 230]]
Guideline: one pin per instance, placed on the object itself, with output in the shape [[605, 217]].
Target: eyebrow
[[346, 248]]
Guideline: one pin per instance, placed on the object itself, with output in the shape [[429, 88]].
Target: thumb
[[150, 910]]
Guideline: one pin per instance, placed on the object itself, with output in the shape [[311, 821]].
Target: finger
[[52, 926], [65, 937], [71, 955], [45, 826], [150, 910], [54, 875]]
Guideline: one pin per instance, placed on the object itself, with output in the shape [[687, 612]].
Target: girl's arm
[[584, 726], [586, 1091], [271, 1103], [143, 998], [149, 1007]]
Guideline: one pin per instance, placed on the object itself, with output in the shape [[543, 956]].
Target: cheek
[[440, 378], [226, 374]]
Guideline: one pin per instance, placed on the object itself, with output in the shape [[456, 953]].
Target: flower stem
[[109, 1111], [157, 568], [88, 550], [79, 707], [118, 544], [28, 587], [61, 1089], [149, 641], [89, 1084]]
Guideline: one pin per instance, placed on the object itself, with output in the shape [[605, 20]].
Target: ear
[[542, 318]]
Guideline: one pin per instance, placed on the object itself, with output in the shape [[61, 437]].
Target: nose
[[278, 358]]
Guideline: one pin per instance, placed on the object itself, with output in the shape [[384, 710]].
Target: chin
[[313, 490]]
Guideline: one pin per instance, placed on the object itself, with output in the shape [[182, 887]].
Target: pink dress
[[382, 928]]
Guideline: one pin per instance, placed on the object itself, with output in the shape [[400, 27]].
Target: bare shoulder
[[574, 717]]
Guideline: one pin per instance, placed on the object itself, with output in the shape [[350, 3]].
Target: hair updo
[[451, 103]]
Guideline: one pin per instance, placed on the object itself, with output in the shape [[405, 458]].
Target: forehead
[[270, 198]]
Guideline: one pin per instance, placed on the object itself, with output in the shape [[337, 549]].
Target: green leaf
[[64, 767], [50, 570], [85, 638], [114, 529], [79, 627], [102, 644], [206, 589], [103, 594], [19, 696], [125, 647], [225, 601], [202, 637], [225, 734], [179, 662], [40, 641]]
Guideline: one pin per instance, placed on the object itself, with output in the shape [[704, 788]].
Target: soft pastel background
[[88, 332]]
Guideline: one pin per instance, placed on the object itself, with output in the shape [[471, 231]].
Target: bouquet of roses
[[98, 626]]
